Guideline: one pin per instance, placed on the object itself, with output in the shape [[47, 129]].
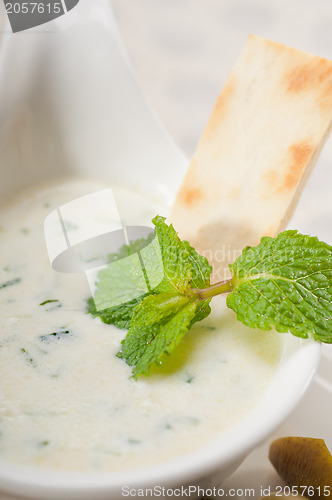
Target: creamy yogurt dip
[[66, 400]]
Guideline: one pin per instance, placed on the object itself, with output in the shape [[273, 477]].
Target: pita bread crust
[[260, 144]]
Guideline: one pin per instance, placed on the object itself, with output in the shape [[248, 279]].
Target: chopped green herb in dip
[[10, 283]]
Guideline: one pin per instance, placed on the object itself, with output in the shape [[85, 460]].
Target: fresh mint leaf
[[123, 276], [119, 316], [183, 267], [285, 282], [131, 248], [161, 320], [158, 325], [120, 282]]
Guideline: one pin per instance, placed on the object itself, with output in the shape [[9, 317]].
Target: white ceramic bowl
[[47, 132]]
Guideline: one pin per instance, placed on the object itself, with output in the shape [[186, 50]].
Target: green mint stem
[[213, 290]]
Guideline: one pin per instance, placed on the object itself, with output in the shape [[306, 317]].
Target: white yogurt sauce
[[66, 400]]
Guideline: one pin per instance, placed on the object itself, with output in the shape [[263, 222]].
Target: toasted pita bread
[[260, 144]]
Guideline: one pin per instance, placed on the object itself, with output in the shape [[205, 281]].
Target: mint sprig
[[284, 282]]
